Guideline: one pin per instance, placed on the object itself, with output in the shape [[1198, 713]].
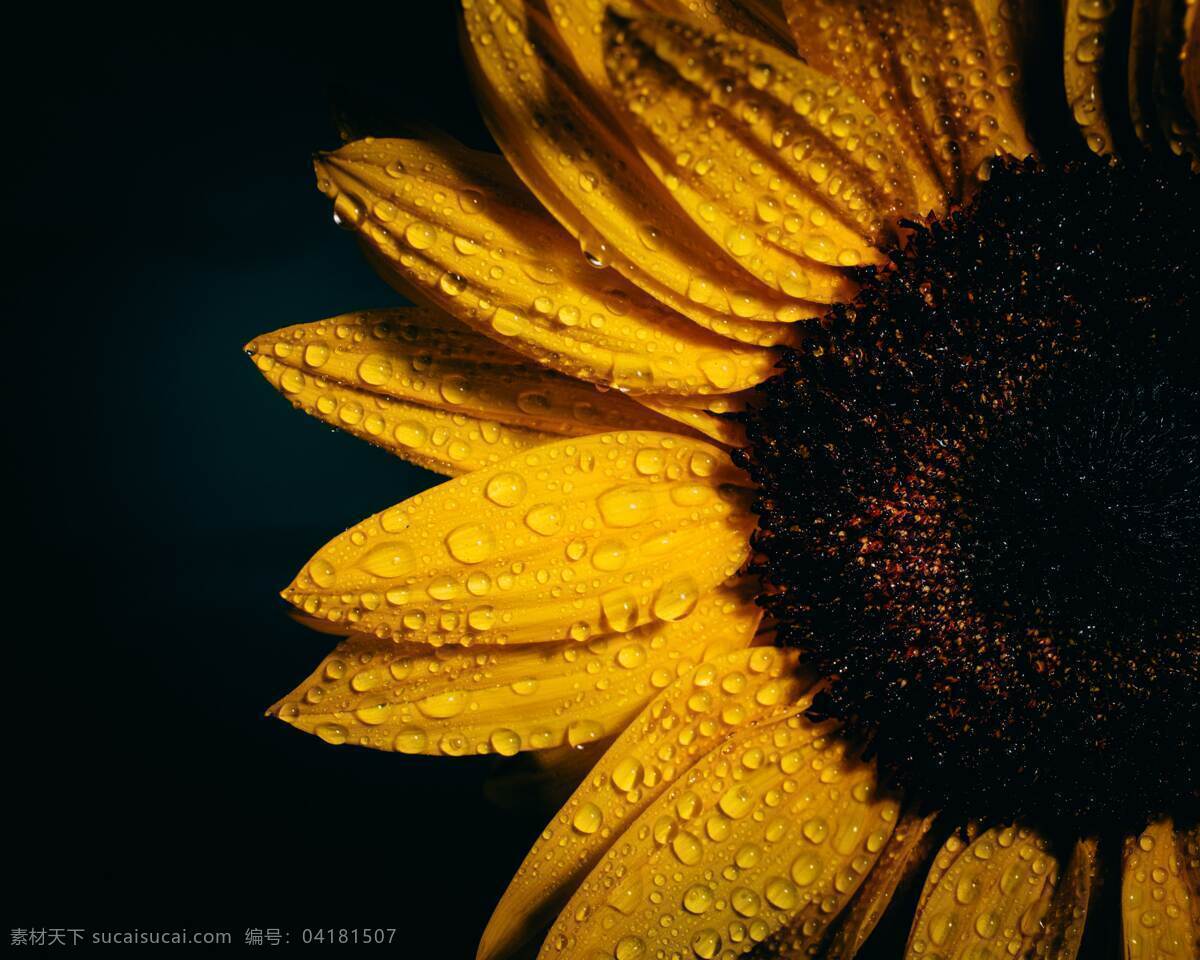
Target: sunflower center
[[980, 498]]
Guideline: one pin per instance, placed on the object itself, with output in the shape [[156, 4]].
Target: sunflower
[[825, 468]]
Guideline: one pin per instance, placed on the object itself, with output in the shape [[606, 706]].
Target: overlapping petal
[[1087, 30], [1160, 904], [946, 71], [772, 831], [1177, 125], [563, 141], [432, 391], [899, 862], [455, 701], [839, 39], [1064, 921], [761, 19], [711, 416], [776, 162], [457, 229], [1162, 92], [1190, 61], [685, 722], [992, 895], [577, 538]]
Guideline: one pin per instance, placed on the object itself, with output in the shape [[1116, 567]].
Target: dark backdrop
[[161, 212]]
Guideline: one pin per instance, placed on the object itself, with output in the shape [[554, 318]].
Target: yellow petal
[[782, 167], [774, 830], [466, 236], [580, 25], [705, 415], [1087, 28], [952, 848], [431, 391], [1190, 66], [761, 19], [561, 140], [903, 855], [992, 896], [446, 443], [1065, 920], [577, 538], [455, 701], [940, 65], [1176, 124], [1160, 916], [842, 40], [539, 781], [687, 721], [1141, 68], [1162, 47]]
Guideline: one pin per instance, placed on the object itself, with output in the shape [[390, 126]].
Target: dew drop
[[471, 543], [587, 818], [506, 489], [545, 519], [627, 505], [388, 560]]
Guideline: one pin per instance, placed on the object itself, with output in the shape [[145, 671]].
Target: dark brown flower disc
[[980, 498]]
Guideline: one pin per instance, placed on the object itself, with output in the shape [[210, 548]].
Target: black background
[[161, 212]]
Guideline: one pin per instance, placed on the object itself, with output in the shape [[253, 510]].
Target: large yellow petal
[[774, 161], [946, 68], [465, 235], [459, 701], [687, 721], [992, 896], [1160, 915], [1087, 28], [900, 860], [773, 831], [577, 538], [432, 391], [560, 138]]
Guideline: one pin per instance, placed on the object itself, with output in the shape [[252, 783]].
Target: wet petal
[[577, 538], [706, 415], [949, 852], [992, 896], [761, 19], [456, 701], [841, 40], [432, 391], [783, 168], [559, 137], [1087, 28], [1064, 921], [1160, 916], [580, 25], [1176, 123], [899, 862], [774, 830], [1190, 67], [463, 234], [1141, 68], [687, 721], [946, 69]]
